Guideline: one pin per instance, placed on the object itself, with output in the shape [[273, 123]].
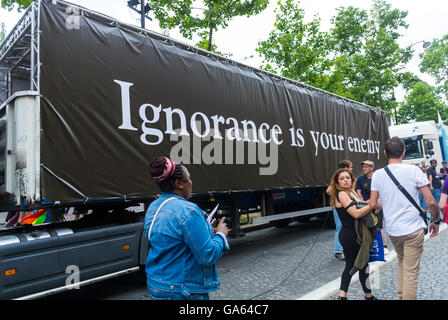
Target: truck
[[87, 102], [424, 140]]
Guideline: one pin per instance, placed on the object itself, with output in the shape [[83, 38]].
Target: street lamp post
[[425, 45], [144, 9], [395, 108]]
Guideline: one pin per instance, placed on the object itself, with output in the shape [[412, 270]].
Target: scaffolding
[[19, 55]]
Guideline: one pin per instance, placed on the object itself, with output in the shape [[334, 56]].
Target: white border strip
[[332, 288], [81, 284]]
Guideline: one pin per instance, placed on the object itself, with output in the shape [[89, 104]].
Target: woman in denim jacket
[[184, 246]]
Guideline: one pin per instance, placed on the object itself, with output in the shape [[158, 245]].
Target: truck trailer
[[87, 102]]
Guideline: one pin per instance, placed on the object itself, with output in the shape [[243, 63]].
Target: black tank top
[[346, 219]]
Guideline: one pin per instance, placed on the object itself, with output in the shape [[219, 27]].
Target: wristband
[[436, 221]]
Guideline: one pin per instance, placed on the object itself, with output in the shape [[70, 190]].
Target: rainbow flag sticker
[[37, 217]]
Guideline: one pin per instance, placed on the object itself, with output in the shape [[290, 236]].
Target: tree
[[358, 58], [296, 49], [10, 4], [435, 63], [204, 43], [2, 32], [408, 80], [365, 44], [215, 14], [422, 103]]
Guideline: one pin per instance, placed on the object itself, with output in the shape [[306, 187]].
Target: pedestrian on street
[[402, 220], [338, 250], [443, 201], [435, 182], [444, 170], [344, 198], [423, 166], [363, 184], [184, 246], [422, 202]]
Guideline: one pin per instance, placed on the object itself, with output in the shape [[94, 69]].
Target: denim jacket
[[184, 248]]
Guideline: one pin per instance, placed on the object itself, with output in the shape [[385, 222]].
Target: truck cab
[[422, 141]]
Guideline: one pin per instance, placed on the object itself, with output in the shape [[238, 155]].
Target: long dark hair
[[157, 168]]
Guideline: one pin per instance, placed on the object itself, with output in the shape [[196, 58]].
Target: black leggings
[[347, 237]]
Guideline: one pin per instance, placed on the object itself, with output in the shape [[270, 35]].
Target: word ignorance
[[233, 130]]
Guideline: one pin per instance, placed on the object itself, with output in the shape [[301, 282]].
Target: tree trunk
[[210, 35]]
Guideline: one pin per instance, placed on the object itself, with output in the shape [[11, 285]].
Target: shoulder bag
[[155, 216], [408, 196], [370, 219]]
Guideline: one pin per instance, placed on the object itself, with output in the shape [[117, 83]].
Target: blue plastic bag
[[377, 248]]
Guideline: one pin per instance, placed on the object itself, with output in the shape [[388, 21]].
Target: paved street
[[293, 260], [300, 255], [433, 284]]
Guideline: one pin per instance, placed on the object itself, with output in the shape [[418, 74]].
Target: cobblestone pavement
[[432, 284], [294, 261]]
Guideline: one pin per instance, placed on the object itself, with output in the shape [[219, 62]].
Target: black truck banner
[[114, 97]]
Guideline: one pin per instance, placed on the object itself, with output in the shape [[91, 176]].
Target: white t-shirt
[[400, 216]]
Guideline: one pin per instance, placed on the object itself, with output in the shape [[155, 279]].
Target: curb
[[331, 288]]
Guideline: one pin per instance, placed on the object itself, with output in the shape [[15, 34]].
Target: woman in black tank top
[[343, 197]]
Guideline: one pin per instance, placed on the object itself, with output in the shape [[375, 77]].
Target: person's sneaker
[[342, 298], [340, 256], [371, 298]]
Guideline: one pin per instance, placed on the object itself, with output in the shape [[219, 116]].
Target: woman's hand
[[222, 227], [345, 200]]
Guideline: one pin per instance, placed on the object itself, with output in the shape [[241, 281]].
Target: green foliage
[[435, 63], [2, 32], [204, 44], [359, 58], [366, 42], [208, 16], [408, 80], [421, 104], [296, 49], [423, 101], [11, 4]]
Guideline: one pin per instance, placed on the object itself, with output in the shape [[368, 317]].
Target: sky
[[427, 20]]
